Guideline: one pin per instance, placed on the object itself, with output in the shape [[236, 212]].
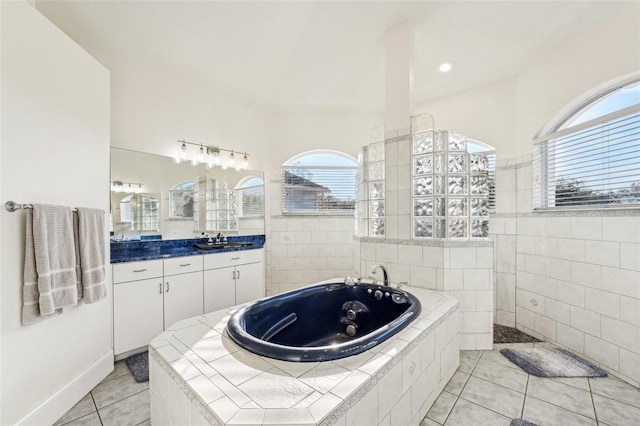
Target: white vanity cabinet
[[232, 278], [182, 288], [149, 296], [138, 290]]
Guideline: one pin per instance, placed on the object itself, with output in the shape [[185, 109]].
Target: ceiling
[[321, 53]]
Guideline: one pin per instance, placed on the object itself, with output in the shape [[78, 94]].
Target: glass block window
[[450, 187], [370, 204], [142, 211], [220, 207], [181, 203]]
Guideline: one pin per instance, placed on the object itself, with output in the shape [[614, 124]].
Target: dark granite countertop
[[134, 251]]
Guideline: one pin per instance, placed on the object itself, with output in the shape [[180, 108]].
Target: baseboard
[[59, 403], [127, 354]]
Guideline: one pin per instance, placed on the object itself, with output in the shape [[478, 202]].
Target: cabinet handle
[[139, 270], [160, 285], [234, 275], [167, 287], [185, 264], [237, 274], [235, 258]]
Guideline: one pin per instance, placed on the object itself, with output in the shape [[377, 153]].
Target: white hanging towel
[[30, 294], [55, 257], [91, 244]]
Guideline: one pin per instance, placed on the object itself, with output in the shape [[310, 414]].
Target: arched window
[[591, 158], [319, 182], [250, 195], [474, 146]]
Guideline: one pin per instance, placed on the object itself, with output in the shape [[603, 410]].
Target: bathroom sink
[[211, 246]]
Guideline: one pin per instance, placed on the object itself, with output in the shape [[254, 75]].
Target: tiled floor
[[117, 401], [487, 390]]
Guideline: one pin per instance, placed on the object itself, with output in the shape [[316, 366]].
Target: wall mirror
[[153, 197]]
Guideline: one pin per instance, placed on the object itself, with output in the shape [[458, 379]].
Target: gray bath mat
[[139, 366], [521, 422], [552, 362]]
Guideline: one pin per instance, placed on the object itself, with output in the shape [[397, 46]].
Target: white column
[[398, 45]]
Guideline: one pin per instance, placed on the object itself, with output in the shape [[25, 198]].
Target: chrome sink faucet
[[385, 274]]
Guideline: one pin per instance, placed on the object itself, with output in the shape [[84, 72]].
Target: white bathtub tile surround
[[211, 380], [303, 250], [577, 275], [462, 269]]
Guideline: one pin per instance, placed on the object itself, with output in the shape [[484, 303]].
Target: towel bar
[[12, 206]]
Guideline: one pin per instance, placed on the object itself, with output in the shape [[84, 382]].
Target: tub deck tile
[[226, 383]]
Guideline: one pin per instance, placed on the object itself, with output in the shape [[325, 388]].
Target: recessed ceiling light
[[445, 67]]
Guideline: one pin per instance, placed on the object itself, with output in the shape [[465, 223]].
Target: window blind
[[251, 200], [318, 190], [596, 163]]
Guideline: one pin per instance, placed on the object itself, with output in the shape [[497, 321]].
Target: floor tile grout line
[[524, 400], [486, 408], [96, 406], [461, 390], [498, 384], [564, 408], [122, 399], [593, 402]]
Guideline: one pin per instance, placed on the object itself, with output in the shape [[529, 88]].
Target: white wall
[[302, 250], [572, 279], [610, 48], [151, 111], [485, 113], [55, 149]]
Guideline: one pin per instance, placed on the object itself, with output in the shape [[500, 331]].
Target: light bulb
[[445, 67], [201, 154], [183, 151], [232, 160], [245, 161], [216, 156]]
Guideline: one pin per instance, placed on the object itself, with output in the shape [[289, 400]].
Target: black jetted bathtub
[[323, 322]]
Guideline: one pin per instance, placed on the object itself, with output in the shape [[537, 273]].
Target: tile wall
[[462, 269], [572, 278], [303, 250]]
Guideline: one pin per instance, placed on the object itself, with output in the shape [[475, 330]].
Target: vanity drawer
[[232, 258], [182, 265], [133, 271]]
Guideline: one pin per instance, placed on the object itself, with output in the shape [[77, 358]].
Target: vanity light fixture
[[119, 186], [209, 155]]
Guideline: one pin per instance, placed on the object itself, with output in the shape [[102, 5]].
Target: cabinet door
[[182, 297], [219, 289], [137, 313], [249, 282]]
